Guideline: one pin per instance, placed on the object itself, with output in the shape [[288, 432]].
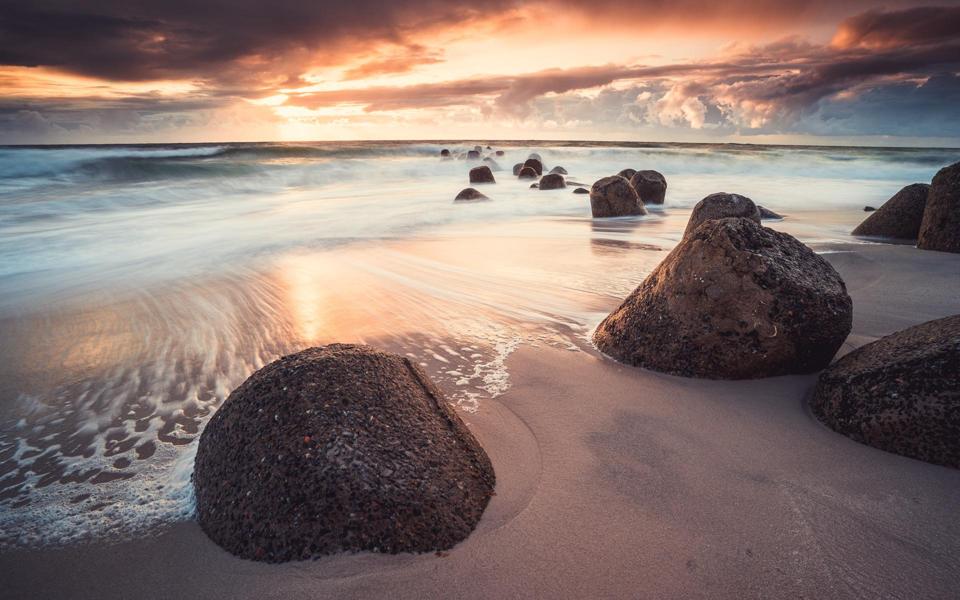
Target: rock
[[900, 393], [650, 185], [527, 173], [868, 209], [581, 190], [478, 148], [571, 182], [492, 164], [733, 300], [535, 156], [940, 229], [489, 148], [558, 171], [534, 164], [481, 174], [766, 213], [473, 155], [552, 181], [499, 153], [516, 169], [614, 197], [338, 449], [899, 217], [445, 154], [721, 206], [534, 186], [627, 173], [469, 194]]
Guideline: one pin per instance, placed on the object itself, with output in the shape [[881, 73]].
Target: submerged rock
[[651, 186], [614, 197], [581, 190], [338, 449], [481, 174], [527, 173], [721, 206], [552, 181], [900, 393], [766, 213], [734, 300], [469, 194], [899, 217], [534, 164], [940, 229]]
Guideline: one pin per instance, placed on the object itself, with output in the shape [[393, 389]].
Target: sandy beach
[[618, 482]]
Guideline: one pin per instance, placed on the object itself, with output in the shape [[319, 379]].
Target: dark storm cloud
[[879, 29]]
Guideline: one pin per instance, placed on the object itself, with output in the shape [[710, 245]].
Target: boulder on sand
[[899, 217], [721, 206], [469, 194], [552, 181], [481, 174], [534, 164], [614, 197], [651, 186], [900, 393], [338, 449], [733, 300], [627, 173], [940, 229], [766, 213], [527, 173]]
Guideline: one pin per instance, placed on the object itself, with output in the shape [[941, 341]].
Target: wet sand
[[618, 482]]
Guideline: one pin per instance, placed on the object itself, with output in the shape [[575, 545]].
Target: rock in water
[[469, 194], [516, 169], [473, 155], [899, 217], [492, 164], [940, 229], [581, 190], [651, 186], [499, 152], [734, 300], [900, 393], [534, 164], [868, 209], [552, 181], [481, 174], [338, 449], [445, 154], [614, 197], [558, 171], [766, 213], [627, 173], [721, 206], [527, 173], [534, 186], [535, 156]]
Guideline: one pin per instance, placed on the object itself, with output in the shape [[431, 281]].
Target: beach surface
[[614, 481]]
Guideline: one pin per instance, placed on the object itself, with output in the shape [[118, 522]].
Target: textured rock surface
[[651, 186], [614, 197], [527, 173], [469, 194], [552, 181], [339, 448], [721, 206], [900, 394], [734, 300], [481, 174], [899, 217], [534, 164], [940, 229]]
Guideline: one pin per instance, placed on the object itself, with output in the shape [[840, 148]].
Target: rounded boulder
[[721, 206], [469, 194], [899, 217], [614, 197], [940, 229], [481, 174], [552, 181], [534, 164], [651, 186]]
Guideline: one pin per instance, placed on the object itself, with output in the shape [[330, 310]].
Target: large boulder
[[469, 194], [940, 229], [721, 206], [534, 164], [733, 300], [481, 174], [651, 186], [552, 181], [527, 173], [899, 217], [338, 449], [614, 197], [900, 393]]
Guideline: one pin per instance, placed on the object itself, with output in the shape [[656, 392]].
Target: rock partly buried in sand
[[900, 394], [766, 213], [534, 164], [614, 197], [516, 169], [627, 173], [651, 186], [721, 206], [581, 190], [940, 229], [899, 217], [558, 171], [527, 173], [734, 300], [481, 174], [552, 181], [338, 449], [469, 194], [473, 155]]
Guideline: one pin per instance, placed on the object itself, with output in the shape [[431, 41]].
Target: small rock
[[527, 173], [552, 181], [473, 155], [534, 164], [558, 170], [481, 174], [469, 194], [516, 169], [581, 190], [766, 213]]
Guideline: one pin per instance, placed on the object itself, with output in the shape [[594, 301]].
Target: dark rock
[[734, 300], [481, 174], [516, 169], [940, 229], [534, 164], [527, 173], [492, 164], [614, 197], [558, 171], [489, 148], [627, 173], [552, 181], [499, 153], [899, 217], [469, 194], [651, 186], [535, 156], [445, 154], [721, 206], [338, 449], [473, 155], [900, 393], [868, 209], [534, 186], [478, 148], [581, 190], [766, 213]]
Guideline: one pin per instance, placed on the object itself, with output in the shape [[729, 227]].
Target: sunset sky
[[690, 70]]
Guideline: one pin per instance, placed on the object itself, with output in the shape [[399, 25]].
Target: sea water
[[140, 284]]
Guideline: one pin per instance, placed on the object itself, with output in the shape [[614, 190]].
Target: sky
[[752, 71]]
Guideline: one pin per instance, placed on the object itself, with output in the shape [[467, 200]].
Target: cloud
[[889, 29]]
